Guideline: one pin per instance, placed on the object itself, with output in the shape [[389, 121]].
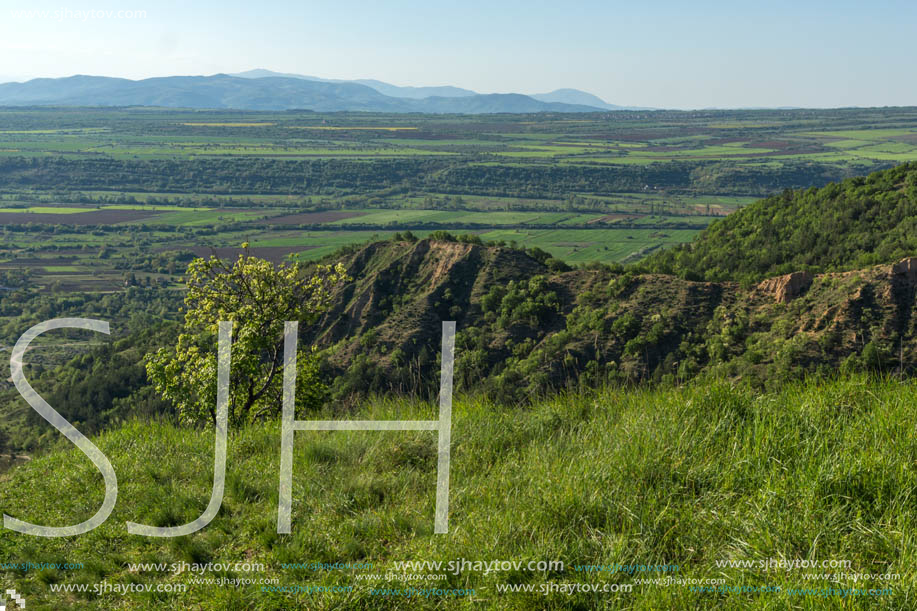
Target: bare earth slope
[[523, 328]]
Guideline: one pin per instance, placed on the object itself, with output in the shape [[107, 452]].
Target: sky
[[668, 54]]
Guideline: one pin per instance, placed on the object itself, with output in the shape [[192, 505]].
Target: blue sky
[[661, 54]]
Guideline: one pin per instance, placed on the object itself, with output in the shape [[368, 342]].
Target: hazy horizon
[[709, 55]]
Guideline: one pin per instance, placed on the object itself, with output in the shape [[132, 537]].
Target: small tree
[[259, 297]]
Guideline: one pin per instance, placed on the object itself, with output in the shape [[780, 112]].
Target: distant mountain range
[[266, 90], [558, 96], [394, 91]]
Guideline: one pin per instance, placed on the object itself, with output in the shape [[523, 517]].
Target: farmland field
[[98, 199]]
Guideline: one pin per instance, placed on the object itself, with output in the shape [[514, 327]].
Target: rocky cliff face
[[907, 268], [524, 328], [404, 290], [786, 287]]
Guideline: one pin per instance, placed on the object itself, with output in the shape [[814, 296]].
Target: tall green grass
[[820, 470]]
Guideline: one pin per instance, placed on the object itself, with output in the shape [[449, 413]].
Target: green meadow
[[691, 479]]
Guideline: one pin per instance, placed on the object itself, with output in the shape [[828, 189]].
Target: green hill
[[692, 477], [855, 223], [527, 326]]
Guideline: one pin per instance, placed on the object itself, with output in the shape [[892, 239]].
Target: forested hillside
[[438, 175], [529, 325], [855, 223]]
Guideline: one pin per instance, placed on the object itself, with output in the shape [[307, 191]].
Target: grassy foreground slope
[[821, 470]]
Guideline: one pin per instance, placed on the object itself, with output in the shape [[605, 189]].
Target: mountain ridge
[[223, 91], [382, 87], [576, 96], [529, 326], [563, 96]]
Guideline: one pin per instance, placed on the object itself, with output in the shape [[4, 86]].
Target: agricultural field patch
[[229, 124], [353, 128], [313, 218], [94, 217], [580, 246], [275, 254]]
